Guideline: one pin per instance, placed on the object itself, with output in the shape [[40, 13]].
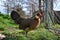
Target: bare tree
[[39, 4], [10, 5], [32, 6]]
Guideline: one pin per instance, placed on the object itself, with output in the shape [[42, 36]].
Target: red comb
[[39, 14]]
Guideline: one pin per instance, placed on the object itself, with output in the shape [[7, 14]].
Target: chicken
[[26, 24]]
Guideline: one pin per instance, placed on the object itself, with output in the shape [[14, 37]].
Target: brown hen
[[26, 24]]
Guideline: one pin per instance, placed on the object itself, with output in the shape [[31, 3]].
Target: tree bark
[[39, 5]]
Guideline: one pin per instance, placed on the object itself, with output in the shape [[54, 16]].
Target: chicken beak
[[40, 14]]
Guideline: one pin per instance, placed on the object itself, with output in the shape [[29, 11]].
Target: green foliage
[[1, 14], [6, 17], [6, 21], [1, 28], [42, 34], [14, 37]]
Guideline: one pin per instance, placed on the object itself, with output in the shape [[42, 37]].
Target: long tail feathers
[[14, 15]]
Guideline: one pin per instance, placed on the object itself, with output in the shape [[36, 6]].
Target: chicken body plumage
[[26, 24]]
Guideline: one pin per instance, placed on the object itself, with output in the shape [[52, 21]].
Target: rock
[[2, 36]]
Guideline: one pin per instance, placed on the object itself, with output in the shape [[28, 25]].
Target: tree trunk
[[39, 5]]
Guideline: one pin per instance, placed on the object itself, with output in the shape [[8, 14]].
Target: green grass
[[10, 29]]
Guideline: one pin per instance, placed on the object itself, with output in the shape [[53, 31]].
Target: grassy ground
[[10, 29]]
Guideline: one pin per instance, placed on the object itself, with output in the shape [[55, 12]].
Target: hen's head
[[39, 14]]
